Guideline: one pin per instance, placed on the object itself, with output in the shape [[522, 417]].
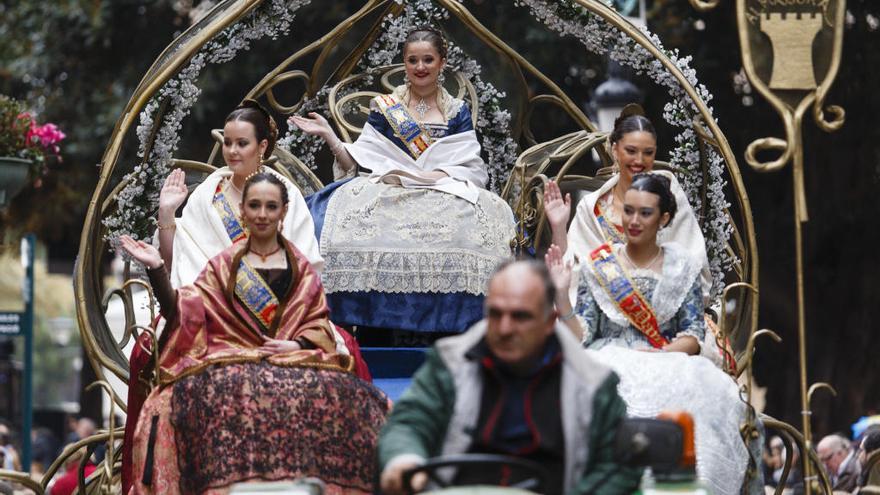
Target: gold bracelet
[[172, 226]]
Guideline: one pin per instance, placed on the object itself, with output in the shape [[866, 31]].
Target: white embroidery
[[380, 237]]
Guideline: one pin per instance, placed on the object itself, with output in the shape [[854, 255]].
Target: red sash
[[616, 282]]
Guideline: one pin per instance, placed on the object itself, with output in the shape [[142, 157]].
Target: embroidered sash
[[616, 282], [612, 233], [405, 127], [227, 215], [255, 294]]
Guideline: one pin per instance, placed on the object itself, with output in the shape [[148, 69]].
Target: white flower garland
[[136, 202], [600, 37]]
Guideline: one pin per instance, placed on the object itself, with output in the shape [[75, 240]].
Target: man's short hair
[[836, 442], [539, 269]]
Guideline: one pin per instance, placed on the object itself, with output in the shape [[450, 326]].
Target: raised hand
[[141, 251], [560, 271], [173, 192], [314, 125], [557, 208]]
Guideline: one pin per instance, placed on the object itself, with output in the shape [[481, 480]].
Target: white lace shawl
[[201, 235], [678, 276], [585, 234]]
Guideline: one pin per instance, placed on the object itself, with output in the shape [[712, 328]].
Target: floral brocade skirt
[[255, 421]]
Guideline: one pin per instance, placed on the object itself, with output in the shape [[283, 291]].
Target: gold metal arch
[[103, 351]]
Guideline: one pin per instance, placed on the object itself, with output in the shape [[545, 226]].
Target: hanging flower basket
[[26, 147]]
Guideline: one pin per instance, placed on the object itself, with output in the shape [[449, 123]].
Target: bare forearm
[[560, 237], [566, 314], [343, 157]]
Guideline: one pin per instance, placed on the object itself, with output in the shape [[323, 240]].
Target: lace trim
[[401, 272], [672, 287]]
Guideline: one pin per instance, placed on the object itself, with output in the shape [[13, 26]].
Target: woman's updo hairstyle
[[263, 176], [632, 119], [659, 185], [430, 34], [252, 112]]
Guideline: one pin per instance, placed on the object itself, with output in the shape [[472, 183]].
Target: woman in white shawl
[[408, 231], [641, 296], [210, 221], [598, 217]]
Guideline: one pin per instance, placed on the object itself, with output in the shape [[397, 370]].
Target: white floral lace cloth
[[651, 382], [386, 238]]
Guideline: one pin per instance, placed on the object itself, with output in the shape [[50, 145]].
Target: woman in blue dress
[[408, 232], [640, 296]]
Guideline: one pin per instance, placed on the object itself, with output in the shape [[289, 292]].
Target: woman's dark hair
[[631, 119], [264, 177], [430, 34], [252, 112], [659, 185], [872, 441]]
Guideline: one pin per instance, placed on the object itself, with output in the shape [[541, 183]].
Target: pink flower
[[48, 136]]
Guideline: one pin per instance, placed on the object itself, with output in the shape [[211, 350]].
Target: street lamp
[[618, 91], [612, 95]]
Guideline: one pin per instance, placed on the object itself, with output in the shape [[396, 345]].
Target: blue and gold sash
[[405, 127], [612, 233], [616, 282], [256, 295], [227, 215]]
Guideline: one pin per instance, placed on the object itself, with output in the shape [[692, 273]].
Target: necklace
[[650, 263], [422, 108], [617, 194], [232, 185], [264, 256]]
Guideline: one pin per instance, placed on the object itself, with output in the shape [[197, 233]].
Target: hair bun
[[632, 109], [628, 111], [270, 122], [273, 130]]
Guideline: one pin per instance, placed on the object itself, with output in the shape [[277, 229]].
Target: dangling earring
[[441, 78], [406, 80]]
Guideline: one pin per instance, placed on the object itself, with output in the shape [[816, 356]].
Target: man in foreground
[[514, 384]]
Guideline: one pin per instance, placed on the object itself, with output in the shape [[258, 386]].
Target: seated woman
[[640, 296], [411, 241], [250, 383], [598, 217], [211, 222]]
